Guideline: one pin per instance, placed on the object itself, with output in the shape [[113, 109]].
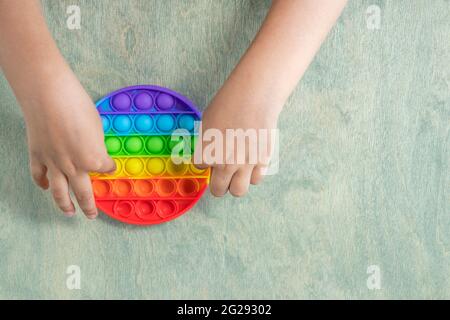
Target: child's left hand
[[237, 107]]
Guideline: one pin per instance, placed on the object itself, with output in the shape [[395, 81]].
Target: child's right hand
[[65, 136], [65, 140]]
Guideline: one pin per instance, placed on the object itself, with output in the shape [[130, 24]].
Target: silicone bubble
[[175, 169], [121, 102], [165, 101], [194, 140], [166, 187], [134, 145], [177, 145], [156, 166], [166, 208], [106, 123], [113, 145], [101, 188], [119, 167], [188, 187], [147, 187], [186, 121], [165, 122], [123, 208], [122, 123], [122, 188], [145, 210], [134, 166], [143, 123], [144, 188], [155, 145], [143, 101]]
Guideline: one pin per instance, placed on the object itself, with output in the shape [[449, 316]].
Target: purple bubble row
[[142, 101]]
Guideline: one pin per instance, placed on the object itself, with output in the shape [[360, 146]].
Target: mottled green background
[[364, 178]]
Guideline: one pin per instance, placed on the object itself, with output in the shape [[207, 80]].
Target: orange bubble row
[[144, 188]]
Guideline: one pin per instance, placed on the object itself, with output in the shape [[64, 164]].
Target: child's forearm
[[61, 151], [285, 46], [28, 52]]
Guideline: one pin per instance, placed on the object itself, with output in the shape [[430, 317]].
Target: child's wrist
[[34, 80], [254, 93]]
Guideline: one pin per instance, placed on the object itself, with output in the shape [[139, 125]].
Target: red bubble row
[[145, 188], [145, 210]]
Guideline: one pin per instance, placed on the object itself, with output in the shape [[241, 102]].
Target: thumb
[[108, 165], [197, 158]]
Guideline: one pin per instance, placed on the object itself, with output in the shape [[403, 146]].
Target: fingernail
[[112, 172], [264, 171], [69, 214], [92, 216]]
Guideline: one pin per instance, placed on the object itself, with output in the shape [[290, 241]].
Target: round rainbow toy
[[142, 126]]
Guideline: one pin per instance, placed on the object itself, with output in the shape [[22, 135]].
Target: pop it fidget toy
[[148, 187]]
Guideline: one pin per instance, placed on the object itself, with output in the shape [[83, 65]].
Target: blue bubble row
[[166, 123]]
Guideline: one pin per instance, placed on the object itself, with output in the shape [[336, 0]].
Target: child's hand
[[258, 87], [64, 130], [65, 140], [236, 108]]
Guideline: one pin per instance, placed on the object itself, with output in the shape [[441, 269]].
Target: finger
[[220, 180], [201, 165], [39, 174], [240, 182], [60, 192], [198, 161], [82, 188], [108, 165], [257, 174]]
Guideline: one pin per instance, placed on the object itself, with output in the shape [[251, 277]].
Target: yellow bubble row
[[144, 167]]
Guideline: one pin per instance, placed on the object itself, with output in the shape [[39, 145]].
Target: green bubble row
[[149, 145]]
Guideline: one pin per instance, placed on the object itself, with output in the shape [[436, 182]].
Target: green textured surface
[[365, 176]]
